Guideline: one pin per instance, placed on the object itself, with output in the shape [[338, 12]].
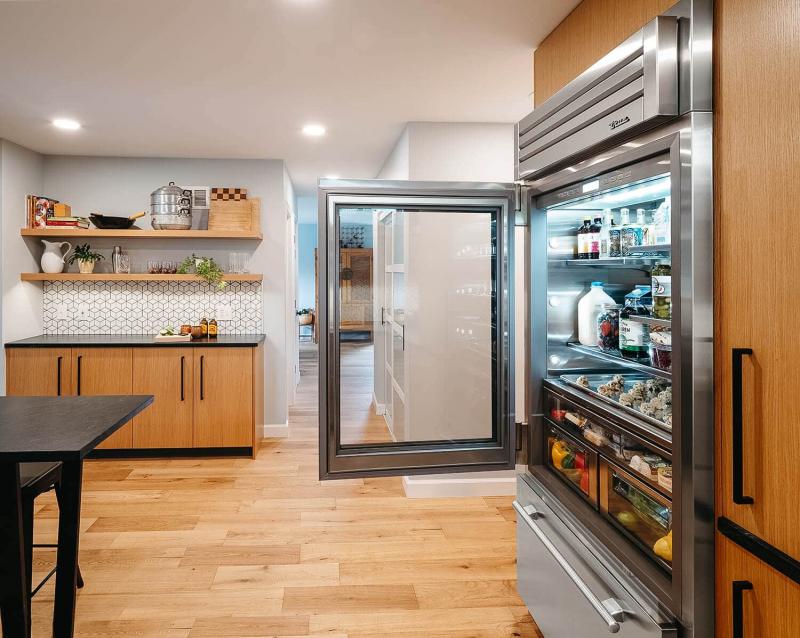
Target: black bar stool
[[36, 479]]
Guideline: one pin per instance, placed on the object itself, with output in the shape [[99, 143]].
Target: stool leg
[[27, 531]]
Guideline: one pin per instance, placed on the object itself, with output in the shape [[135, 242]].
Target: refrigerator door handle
[[738, 589], [609, 610], [737, 428]]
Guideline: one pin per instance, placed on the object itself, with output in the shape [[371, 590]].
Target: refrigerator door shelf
[[567, 589]]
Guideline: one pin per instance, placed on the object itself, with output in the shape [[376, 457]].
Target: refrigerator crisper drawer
[[568, 591]]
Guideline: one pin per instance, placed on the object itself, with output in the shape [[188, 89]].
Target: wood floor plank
[[194, 548], [352, 598]]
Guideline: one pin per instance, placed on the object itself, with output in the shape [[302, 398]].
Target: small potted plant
[[305, 316], [204, 267], [86, 258]]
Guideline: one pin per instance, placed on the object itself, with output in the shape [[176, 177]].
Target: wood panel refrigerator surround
[[756, 345]]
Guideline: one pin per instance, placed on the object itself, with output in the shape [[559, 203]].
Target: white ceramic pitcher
[[53, 258]]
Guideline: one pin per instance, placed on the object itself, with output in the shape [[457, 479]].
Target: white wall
[[396, 165], [463, 152], [121, 186], [20, 175]]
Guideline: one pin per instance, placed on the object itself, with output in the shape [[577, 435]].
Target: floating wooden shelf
[[110, 276], [141, 234]]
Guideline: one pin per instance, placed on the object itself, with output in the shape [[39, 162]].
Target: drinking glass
[[123, 264]]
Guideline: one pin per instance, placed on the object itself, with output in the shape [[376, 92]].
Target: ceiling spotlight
[[314, 130], [66, 124]]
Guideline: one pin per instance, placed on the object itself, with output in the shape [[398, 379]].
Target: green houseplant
[[86, 258], [204, 267]]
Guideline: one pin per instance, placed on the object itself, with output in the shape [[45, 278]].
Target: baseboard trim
[[275, 430], [455, 485], [154, 453]]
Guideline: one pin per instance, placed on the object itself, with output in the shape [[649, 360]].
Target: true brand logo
[[617, 123]]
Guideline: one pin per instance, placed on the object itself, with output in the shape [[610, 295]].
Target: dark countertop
[[133, 341], [62, 428]]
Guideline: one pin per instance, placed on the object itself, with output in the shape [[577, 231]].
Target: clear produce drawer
[[644, 515], [572, 461]]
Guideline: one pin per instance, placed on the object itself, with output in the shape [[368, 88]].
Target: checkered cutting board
[[228, 194]]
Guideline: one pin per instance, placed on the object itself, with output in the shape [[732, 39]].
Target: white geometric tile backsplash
[[145, 307]]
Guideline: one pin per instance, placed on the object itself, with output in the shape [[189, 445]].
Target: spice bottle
[[212, 329], [204, 326]]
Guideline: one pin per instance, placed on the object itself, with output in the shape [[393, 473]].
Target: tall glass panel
[[436, 317]]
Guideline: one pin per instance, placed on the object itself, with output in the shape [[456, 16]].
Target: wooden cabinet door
[[101, 371], [356, 288], [223, 397], [38, 372], [167, 374], [769, 605], [755, 170]]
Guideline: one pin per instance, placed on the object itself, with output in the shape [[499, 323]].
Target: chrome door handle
[[609, 610]]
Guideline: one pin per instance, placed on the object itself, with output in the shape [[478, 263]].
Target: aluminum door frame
[[356, 461]]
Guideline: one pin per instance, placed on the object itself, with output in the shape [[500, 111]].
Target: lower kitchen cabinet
[[223, 397], [167, 374], [100, 371], [39, 372], [753, 599], [205, 396]]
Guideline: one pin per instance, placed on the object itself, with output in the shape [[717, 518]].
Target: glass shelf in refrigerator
[[618, 359], [610, 262]]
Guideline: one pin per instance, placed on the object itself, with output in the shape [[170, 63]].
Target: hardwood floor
[[235, 547]]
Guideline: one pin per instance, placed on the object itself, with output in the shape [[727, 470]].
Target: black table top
[[132, 341], [62, 428]]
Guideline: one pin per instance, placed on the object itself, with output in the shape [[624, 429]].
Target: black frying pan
[[116, 223]]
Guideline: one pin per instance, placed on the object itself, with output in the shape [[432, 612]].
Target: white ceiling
[[239, 78]]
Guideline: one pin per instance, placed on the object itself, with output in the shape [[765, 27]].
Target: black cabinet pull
[[58, 376], [202, 378], [739, 586], [80, 358], [183, 359], [738, 443]]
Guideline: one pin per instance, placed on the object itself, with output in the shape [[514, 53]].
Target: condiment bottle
[[661, 277], [615, 240], [594, 238], [204, 326], [212, 329]]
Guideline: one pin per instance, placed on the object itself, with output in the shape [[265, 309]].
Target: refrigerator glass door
[[416, 335]]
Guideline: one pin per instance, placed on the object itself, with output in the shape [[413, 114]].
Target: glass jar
[[608, 327]]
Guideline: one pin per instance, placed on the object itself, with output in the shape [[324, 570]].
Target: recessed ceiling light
[[66, 124], [314, 130], [331, 177]]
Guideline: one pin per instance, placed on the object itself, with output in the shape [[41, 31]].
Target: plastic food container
[[608, 327], [661, 356]]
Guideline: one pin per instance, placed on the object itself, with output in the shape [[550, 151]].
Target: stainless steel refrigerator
[[615, 501]]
